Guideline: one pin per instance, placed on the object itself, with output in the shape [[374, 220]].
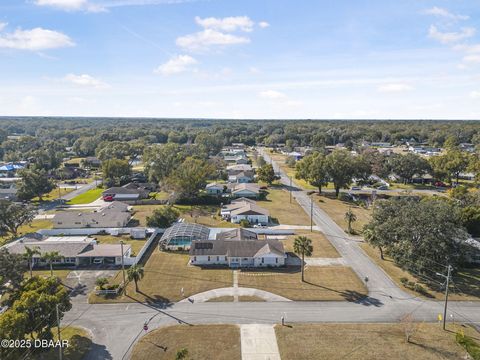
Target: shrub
[[163, 217], [469, 344], [404, 280], [244, 223], [101, 282]]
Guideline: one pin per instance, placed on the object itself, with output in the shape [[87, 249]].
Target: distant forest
[[85, 134]]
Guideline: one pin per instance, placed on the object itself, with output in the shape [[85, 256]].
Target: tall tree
[[313, 169], [34, 183], [303, 245], [135, 273], [450, 164], [12, 216], [163, 217], [189, 177], [50, 257], [114, 170], [350, 218], [266, 174], [29, 254], [341, 169], [12, 267], [408, 165], [161, 160]]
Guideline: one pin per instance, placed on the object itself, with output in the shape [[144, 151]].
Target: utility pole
[[60, 354], [311, 214], [123, 265], [449, 270]]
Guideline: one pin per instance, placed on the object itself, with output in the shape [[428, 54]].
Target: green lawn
[[34, 226], [280, 208], [136, 245], [86, 197]]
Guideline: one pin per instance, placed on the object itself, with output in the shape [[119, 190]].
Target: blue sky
[[241, 59]]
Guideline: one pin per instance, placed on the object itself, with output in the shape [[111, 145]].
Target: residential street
[[116, 327]]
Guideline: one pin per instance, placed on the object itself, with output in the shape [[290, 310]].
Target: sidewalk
[[259, 342]]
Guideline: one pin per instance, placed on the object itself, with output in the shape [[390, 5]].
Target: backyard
[[34, 226], [136, 244], [321, 283], [203, 342], [367, 341]]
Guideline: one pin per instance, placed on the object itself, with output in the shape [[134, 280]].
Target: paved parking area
[[81, 282], [259, 342]]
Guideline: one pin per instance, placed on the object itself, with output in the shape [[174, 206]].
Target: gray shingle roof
[[253, 248], [237, 234]]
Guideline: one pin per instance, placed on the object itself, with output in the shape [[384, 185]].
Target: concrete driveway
[[82, 282]]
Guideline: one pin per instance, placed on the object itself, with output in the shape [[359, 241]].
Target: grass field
[[207, 215], [110, 239], [467, 280], [60, 273], [336, 209], [54, 194], [366, 341], [141, 212], [79, 343], [86, 197], [203, 342], [278, 203], [165, 275], [321, 246], [321, 283]]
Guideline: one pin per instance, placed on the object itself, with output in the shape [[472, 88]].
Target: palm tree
[[135, 273], [350, 218], [303, 245], [29, 254], [50, 257]]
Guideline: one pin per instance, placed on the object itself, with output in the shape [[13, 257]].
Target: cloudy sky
[[407, 59]]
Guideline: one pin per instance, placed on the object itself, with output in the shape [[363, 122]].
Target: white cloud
[[207, 38], [71, 5], [272, 94], [475, 94], [254, 70], [86, 81], [472, 59], [263, 24], [176, 65], [450, 37], [227, 24], [469, 49], [34, 39], [441, 12], [3, 25], [394, 88]]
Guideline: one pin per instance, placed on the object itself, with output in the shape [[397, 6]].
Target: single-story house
[[237, 234], [215, 189], [226, 210], [73, 250], [246, 190], [113, 216], [91, 162], [124, 194], [296, 155], [241, 177], [235, 169], [235, 254], [253, 213], [8, 194], [180, 236]]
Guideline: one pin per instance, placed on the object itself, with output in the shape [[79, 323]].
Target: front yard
[[166, 274], [321, 246], [321, 283], [79, 344], [136, 244], [366, 341], [467, 281], [87, 197], [203, 342]]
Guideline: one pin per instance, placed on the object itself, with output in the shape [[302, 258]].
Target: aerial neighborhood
[[181, 216]]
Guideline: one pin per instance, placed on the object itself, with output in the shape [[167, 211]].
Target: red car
[[440, 184], [108, 198]]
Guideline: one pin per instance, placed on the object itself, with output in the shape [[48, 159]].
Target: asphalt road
[[116, 327]]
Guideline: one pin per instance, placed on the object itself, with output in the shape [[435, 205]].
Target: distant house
[[296, 155], [215, 189], [226, 210], [473, 251], [251, 191], [73, 250], [238, 253], [124, 194], [113, 216], [251, 212], [241, 177], [91, 162], [10, 169], [8, 194]]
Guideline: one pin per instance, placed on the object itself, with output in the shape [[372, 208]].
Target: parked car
[[98, 261], [356, 188], [259, 226], [108, 198], [440, 184], [383, 187]]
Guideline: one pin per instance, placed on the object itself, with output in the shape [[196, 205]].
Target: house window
[[276, 260], [208, 258], [263, 260], [194, 258], [218, 258], [225, 258]]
